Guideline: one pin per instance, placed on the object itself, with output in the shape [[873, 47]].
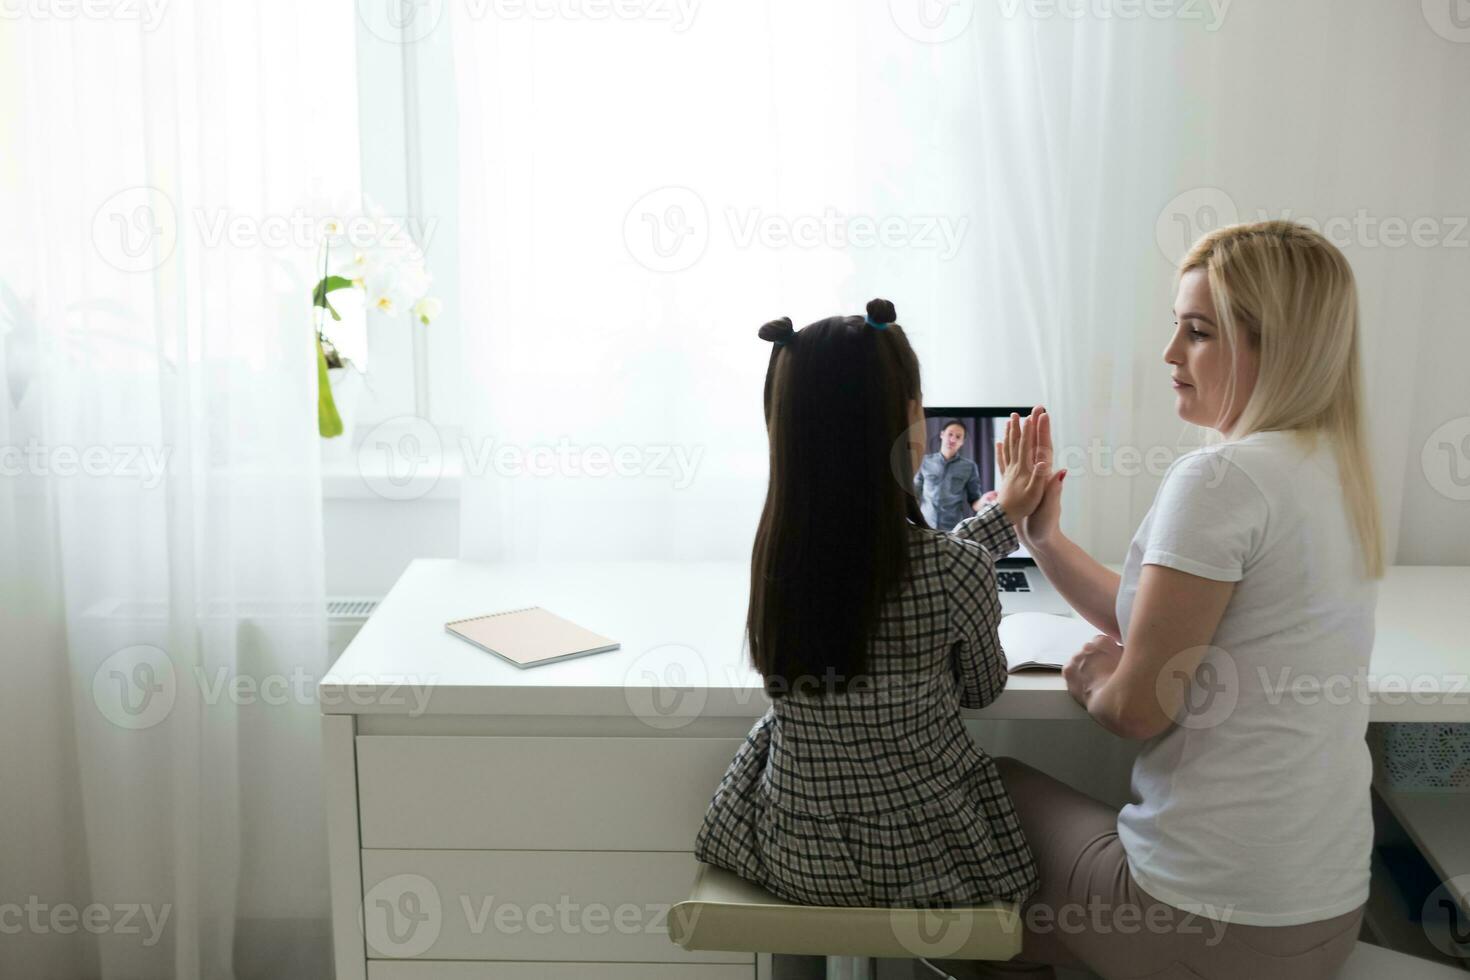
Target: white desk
[[471, 804]]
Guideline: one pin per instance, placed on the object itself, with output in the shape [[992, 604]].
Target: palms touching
[[1029, 494]]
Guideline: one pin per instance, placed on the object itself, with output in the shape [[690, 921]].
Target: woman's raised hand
[[1024, 457], [1037, 528]]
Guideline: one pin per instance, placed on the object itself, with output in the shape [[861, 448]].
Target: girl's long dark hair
[[833, 538]]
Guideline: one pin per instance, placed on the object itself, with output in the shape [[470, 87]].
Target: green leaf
[[328, 422], [328, 285]]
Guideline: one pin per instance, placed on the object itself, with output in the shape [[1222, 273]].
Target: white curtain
[[640, 193], [160, 508]]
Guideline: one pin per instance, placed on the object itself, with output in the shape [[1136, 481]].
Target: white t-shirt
[[1254, 807]]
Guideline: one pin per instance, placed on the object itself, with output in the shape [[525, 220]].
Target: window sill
[[396, 471]]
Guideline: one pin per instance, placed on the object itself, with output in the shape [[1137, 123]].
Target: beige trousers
[[1090, 914]]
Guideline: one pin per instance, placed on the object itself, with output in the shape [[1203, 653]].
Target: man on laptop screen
[[948, 482]]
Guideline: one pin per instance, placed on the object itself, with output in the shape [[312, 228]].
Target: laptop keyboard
[[1012, 581]]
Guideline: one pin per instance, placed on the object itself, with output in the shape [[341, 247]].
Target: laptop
[[959, 444]]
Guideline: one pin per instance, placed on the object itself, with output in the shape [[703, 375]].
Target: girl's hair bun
[[882, 311], [778, 331]]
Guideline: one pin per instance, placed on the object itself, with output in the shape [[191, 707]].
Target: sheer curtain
[[160, 508], [640, 193]]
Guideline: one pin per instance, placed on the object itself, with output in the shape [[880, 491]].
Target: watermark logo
[[400, 21], [1446, 917], [925, 921], [135, 687], [136, 230], [667, 686], [402, 916], [146, 13], [1190, 215], [1450, 19], [401, 458], [1445, 459], [41, 918], [1199, 688], [146, 464], [932, 21], [1209, 13], [138, 686], [667, 230], [941, 234], [1197, 212]]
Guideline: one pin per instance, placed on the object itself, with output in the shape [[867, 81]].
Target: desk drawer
[[441, 791], [585, 906], [440, 970]]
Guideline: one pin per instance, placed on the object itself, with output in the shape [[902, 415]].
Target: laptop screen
[[959, 467]]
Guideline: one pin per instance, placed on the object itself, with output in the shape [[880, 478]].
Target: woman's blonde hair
[[1290, 293]]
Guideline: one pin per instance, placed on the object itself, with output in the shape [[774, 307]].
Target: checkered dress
[[880, 797]]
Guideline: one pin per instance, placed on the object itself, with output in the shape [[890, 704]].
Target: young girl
[[860, 785]]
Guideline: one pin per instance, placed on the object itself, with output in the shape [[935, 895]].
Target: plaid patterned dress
[[880, 797]]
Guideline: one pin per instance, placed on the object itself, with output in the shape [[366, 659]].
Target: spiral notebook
[[530, 637]]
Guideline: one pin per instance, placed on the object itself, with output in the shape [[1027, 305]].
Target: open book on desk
[[1042, 641]]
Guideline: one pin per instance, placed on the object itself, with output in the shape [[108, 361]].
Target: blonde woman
[[1253, 576]]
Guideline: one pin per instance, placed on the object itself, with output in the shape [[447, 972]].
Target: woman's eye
[[1197, 334]]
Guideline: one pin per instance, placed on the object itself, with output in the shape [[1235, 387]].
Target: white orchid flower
[[427, 310]]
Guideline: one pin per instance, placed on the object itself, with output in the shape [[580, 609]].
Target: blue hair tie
[[875, 324]]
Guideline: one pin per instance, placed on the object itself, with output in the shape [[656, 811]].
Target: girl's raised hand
[[1024, 457]]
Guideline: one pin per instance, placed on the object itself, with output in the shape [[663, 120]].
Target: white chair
[[729, 914]]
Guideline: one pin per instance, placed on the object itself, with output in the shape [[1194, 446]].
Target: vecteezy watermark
[[1196, 212], [404, 915], [932, 21], [137, 229], [65, 919], [1095, 458], [937, 233], [135, 687], [1450, 19], [1199, 687], [939, 924], [1190, 215], [138, 686], [667, 686], [1209, 13], [400, 21], [403, 458], [1445, 917], [937, 21], [1362, 687], [1445, 459], [409, 21], [678, 14], [146, 13], [669, 228], [147, 464]]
